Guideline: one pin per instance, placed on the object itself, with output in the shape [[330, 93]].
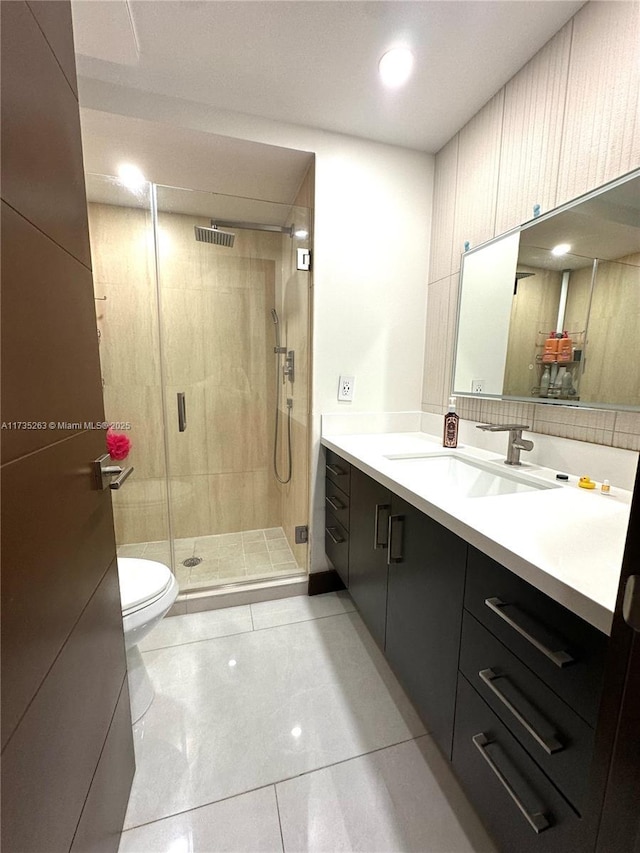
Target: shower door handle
[[182, 412]]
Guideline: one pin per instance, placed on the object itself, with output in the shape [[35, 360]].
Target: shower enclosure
[[203, 320]]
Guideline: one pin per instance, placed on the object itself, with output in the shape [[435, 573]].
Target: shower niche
[[205, 312]]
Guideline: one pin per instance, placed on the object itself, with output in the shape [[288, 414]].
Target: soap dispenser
[[450, 438]]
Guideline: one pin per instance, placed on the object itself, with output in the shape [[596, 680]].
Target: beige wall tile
[[190, 506], [601, 137], [533, 114], [140, 511], [142, 407]]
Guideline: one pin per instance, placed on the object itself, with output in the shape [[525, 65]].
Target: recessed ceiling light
[[131, 177], [395, 66], [561, 249]]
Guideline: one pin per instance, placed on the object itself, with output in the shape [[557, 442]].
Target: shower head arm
[[253, 226]]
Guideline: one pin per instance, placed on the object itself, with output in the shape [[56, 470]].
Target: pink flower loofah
[[118, 445]]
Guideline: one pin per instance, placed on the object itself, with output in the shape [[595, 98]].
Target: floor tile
[[402, 799], [198, 626], [255, 547], [183, 549], [277, 544], [134, 550], [237, 713], [274, 533], [159, 551], [300, 608], [244, 824], [253, 536], [278, 557]]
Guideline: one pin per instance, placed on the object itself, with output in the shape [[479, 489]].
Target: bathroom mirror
[[550, 312]]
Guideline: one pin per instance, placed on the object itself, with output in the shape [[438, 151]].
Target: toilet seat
[[142, 582]]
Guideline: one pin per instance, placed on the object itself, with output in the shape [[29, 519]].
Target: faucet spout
[[516, 441]]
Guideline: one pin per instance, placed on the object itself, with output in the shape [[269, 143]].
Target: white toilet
[[147, 591]]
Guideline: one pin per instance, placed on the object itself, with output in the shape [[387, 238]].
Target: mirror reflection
[[551, 312]]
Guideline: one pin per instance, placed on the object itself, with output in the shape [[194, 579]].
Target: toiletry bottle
[[450, 438], [545, 382], [567, 384], [550, 348], [565, 348]]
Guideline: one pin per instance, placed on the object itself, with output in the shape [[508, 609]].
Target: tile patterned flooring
[[226, 558], [279, 726]]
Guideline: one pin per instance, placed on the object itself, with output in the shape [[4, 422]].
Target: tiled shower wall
[[217, 345], [123, 261], [566, 123]]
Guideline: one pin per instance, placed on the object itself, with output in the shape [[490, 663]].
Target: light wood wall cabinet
[[566, 123]]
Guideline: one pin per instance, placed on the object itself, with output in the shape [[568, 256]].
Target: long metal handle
[[549, 744], [337, 540], [559, 657], [122, 476], [536, 820], [182, 412], [334, 503], [396, 533], [335, 469], [377, 527]]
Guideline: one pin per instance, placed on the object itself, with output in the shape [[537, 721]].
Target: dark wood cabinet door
[[368, 534], [424, 616]]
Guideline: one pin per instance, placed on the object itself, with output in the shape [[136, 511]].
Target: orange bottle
[[550, 352], [565, 348]]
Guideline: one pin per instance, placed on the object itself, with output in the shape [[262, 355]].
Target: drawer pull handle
[[336, 470], [337, 540], [377, 527], [334, 503], [548, 743], [560, 657], [396, 534], [536, 820]]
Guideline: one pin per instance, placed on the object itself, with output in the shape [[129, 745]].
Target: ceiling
[[315, 63]]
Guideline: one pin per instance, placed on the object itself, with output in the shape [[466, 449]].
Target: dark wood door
[[67, 751], [618, 765], [424, 617], [368, 540]]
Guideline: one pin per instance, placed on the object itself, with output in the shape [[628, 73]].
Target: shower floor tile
[[224, 558]]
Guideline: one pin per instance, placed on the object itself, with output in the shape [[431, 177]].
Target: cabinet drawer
[[337, 503], [521, 808], [336, 546], [338, 471], [566, 652], [555, 736]]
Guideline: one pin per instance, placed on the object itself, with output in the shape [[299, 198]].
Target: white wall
[[372, 225]]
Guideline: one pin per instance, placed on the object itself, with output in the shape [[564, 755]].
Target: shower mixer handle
[[280, 350]]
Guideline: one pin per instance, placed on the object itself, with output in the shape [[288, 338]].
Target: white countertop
[[568, 542]]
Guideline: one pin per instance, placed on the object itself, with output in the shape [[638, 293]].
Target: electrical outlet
[[345, 387], [477, 386]]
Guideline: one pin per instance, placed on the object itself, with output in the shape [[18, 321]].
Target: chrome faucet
[[516, 441]]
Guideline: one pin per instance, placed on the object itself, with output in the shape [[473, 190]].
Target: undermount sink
[[463, 476]]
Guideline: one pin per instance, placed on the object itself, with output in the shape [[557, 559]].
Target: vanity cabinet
[[507, 680], [406, 577], [424, 613], [337, 514], [370, 510], [529, 687]]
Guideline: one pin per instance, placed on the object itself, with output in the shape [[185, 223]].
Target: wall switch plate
[[477, 386], [345, 387]]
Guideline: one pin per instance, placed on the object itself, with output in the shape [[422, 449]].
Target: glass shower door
[[225, 293]]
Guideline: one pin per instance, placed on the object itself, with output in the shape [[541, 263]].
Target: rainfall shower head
[[214, 235]]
